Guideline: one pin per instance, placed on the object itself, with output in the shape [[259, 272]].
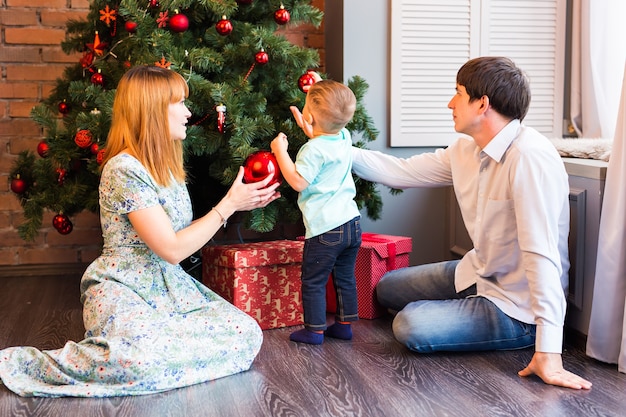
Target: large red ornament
[[18, 185], [259, 165], [307, 80], [282, 16], [179, 23], [261, 57], [42, 149], [224, 27], [83, 139]]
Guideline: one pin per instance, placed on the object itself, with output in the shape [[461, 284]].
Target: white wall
[[357, 43]]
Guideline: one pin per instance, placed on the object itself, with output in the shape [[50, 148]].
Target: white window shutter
[[431, 39], [532, 33]]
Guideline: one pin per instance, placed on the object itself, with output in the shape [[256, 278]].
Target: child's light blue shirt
[[325, 162]]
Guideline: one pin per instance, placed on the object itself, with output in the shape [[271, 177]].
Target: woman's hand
[[243, 197]]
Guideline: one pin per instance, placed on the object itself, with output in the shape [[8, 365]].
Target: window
[[431, 39]]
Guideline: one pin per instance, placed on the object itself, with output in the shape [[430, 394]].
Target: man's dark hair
[[501, 80]]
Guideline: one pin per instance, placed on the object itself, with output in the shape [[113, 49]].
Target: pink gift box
[[377, 255], [262, 278]]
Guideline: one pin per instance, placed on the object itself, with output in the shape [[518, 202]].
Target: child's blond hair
[[332, 104]]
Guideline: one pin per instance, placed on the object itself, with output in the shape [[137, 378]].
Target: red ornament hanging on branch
[[307, 80], [64, 108], [224, 27], [179, 23], [97, 78], [83, 139], [261, 57], [282, 16], [18, 185], [221, 117], [62, 224], [100, 156], [130, 26], [42, 149], [153, 4]]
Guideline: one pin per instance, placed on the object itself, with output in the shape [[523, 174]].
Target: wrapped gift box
[[261, 278], [377, 255]]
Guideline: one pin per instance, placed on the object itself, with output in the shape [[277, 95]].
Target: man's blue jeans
[[334, 251], [432, 316]]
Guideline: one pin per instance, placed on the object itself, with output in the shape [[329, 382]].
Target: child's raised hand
[[279, 144], [306, 127]]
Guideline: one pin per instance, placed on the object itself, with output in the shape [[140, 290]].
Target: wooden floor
[[371, 375]]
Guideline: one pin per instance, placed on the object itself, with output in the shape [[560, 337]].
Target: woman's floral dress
[[150, 326]]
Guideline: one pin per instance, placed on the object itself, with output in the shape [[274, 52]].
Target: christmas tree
[[243, 75]]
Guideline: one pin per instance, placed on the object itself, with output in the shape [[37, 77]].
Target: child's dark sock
[[307, 336], [339, 331]]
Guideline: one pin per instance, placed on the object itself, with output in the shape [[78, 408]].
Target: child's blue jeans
[[334, 251]]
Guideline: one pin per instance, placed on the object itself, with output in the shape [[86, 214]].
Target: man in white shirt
[[508, 292]]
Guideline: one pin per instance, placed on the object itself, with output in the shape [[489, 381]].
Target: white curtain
[[606, 340], [598, 52]]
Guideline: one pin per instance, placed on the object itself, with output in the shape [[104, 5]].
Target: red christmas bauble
[[307, 80], [97, 79], [179, 23], [83, 139], [259, 165], [94, 148], [224, 26], [59, 220], [261, 57], [131, 27], [64, 108], [62, 224], [42, 149], [18, 185], [154, 3], [282, 16], [100, 156]]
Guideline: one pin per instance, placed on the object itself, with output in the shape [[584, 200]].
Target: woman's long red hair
[[140, 124]]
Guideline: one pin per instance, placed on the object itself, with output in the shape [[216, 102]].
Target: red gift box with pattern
[[261, 278], [377, 255]]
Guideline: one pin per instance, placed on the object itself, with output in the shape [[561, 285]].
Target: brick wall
[[31, 60]]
